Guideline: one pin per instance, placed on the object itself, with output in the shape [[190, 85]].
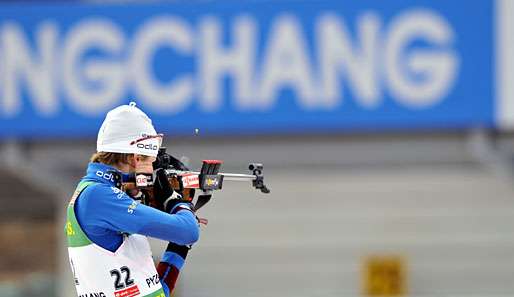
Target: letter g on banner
[[422, 77], [94, 85]]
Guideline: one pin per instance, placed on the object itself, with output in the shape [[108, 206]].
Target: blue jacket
[[105, 213]]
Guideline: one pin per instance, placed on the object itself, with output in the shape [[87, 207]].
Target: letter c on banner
[[174, 96]]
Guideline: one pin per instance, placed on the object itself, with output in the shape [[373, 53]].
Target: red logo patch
[[128, 292], [190, 181], [141, 180]]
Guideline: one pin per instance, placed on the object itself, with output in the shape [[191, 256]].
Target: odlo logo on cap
[[152, 147]]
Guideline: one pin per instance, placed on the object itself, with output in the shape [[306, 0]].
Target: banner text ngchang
[[287, 68]]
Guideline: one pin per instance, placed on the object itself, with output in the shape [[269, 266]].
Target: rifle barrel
[[226, 176], [238, 177]]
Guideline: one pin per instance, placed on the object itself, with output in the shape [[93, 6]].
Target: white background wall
[[337, 200], [455, 227]]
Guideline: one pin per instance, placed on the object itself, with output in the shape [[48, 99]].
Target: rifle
[[186, 181]]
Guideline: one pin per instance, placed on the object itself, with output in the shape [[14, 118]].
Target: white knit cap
[[127, 129]]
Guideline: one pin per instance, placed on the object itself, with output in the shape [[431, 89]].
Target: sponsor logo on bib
[[128, 292]]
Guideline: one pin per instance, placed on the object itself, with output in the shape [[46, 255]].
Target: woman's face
[[141, 164]]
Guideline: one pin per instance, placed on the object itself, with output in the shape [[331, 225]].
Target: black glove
[[165, 195], [180, 250]]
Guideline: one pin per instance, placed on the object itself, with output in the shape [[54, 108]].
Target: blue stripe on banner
[[247, 67]]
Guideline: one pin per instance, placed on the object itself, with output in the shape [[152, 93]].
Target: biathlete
[[107, 229]]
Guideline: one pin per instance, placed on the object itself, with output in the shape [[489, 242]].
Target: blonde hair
[[110, 158]]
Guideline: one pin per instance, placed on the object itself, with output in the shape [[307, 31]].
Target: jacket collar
[[102, 173]]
